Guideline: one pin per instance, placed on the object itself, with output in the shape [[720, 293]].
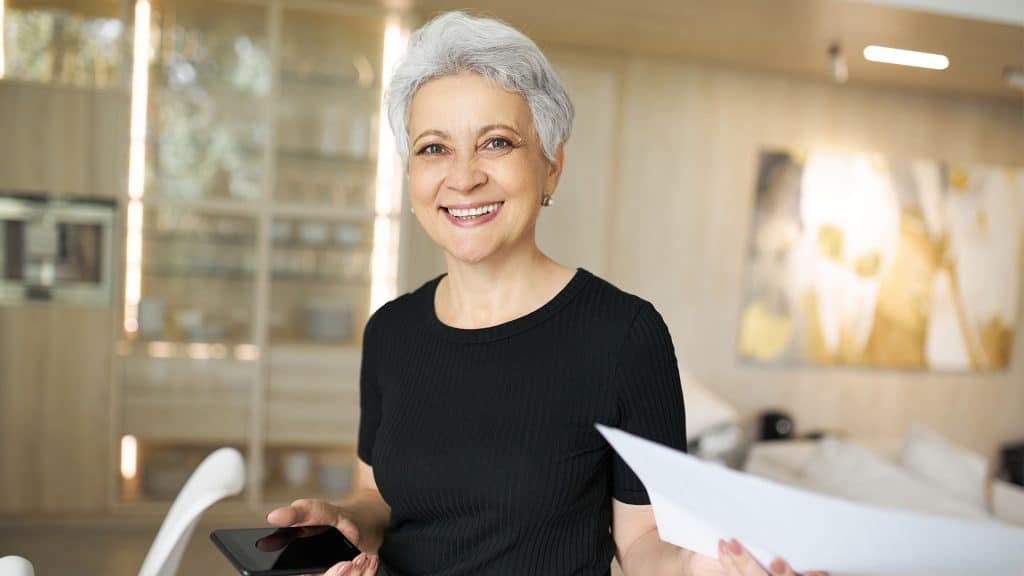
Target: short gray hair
[[456, 42]]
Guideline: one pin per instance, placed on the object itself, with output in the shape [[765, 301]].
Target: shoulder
[[400, 312], [611, 305]]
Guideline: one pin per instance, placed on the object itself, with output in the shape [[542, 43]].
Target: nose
[[463, 175]]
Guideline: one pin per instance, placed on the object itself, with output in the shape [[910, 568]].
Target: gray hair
[[456, 42]]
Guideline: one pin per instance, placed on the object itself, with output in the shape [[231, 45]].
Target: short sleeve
[[649, 396], [369, 394]]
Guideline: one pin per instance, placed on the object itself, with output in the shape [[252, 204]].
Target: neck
[[502, 288]]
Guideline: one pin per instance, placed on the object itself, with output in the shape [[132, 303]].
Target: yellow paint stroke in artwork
[[982, 221], [958, 179], [868, 264], [830, 242], [996, 343], [764, 334]]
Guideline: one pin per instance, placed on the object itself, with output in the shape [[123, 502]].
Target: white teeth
[[474, 212]]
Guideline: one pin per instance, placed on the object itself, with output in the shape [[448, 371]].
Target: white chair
[[15, 566], [220, 475]]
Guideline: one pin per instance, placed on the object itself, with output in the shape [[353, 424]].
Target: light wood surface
[[789, 37], [54, 414], [63, 140]]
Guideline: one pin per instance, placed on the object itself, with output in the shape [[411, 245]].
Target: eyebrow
[[482, 130]]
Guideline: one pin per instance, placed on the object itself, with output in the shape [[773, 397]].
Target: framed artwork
[[859, 259]]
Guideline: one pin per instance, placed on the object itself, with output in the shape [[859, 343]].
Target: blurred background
[[200, 206]]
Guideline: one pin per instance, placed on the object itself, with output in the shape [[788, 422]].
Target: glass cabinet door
[[198, 276], [64, 42], [327, 108], [210, 75], [322, 233]]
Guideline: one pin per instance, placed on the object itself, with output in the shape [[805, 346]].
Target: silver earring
[[547, 200]]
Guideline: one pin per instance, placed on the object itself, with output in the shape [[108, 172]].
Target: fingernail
[[361, 561], [734, 546], [345, 568], [723, 549], [778, 566]]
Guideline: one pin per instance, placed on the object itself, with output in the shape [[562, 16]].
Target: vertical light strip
[[129, 457], [3, 38], [384, 259], [137, 166]]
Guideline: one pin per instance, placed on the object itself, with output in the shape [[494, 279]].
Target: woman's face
[[477, 171]]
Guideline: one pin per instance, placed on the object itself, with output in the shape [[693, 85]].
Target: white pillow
[[849, 471], [956, 471], [704, 409]]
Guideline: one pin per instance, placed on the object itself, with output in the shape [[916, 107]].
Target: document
[[696, 503]]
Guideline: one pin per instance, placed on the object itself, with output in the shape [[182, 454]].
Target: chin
[[470, 254]]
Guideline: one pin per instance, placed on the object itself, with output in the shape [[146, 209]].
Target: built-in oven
[[56, 249]]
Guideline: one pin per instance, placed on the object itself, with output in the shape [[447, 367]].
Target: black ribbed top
[[483, 443]]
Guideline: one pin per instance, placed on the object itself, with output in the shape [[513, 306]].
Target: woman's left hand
[[734, 560]]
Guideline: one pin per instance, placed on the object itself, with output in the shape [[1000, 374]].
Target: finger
[[284, 516], [339, 569], [780, 567], [347, 528], [744, 561], [725, 559], [304, 512], [372, 570], [361, 565]]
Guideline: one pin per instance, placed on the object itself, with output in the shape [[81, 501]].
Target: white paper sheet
[[697, 503]]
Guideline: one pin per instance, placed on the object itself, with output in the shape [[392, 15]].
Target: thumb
[[304, 512]]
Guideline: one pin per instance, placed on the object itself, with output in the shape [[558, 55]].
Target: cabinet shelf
[[197, 272], [193, 238], [290, 78]]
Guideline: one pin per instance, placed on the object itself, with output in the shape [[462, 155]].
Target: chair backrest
[[220, 475], [15, 566]]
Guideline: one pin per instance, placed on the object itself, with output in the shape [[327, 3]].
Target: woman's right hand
[[307, 512]]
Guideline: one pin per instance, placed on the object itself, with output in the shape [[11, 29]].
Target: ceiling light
[[906, 57]]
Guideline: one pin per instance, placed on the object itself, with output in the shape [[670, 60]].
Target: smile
[[470, 214]]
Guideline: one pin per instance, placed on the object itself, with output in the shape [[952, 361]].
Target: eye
[[432, 149], [498, 144]]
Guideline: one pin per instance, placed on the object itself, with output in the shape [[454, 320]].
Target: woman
[[480, 390]]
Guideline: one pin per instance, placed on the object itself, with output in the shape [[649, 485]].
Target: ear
[[555, 170]]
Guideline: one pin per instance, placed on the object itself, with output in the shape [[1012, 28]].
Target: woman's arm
[[639, 548], [367, 509]]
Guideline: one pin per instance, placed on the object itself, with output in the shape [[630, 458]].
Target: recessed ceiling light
[[906, 57]]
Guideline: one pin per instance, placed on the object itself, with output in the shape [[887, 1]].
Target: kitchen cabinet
[[54, 407], [63, 140], [265, 240]]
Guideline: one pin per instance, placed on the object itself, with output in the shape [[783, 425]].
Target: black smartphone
[[283, 551]]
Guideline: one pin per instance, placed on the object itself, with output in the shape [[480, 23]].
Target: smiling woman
[[480, 389]]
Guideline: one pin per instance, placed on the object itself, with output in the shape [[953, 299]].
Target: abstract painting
[[860, 259]]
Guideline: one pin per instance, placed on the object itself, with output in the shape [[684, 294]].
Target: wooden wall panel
[[690, 142]]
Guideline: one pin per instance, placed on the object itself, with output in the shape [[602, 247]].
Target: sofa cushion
[[958, 472], [847, 470]]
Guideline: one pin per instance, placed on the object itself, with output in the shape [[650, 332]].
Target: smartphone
[[284, 551]]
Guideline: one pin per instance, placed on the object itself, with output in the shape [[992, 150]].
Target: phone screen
[[283, 551]]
